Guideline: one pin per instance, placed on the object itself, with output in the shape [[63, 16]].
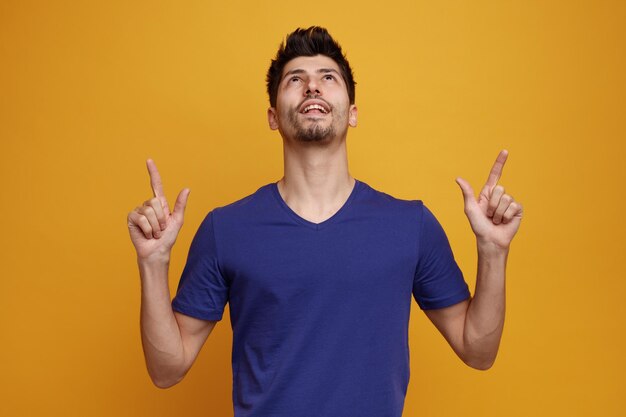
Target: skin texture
[[316, 179], [312, 80], [473, 328], [316, 183], [171, 341]]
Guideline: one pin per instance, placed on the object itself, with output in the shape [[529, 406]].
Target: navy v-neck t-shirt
[[319, 311]]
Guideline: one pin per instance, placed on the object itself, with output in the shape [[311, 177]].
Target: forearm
[[160, 334], [484, 321]]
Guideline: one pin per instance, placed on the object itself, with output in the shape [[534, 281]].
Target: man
[[318, 268]]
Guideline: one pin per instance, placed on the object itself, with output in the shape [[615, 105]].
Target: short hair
[[312, 41]]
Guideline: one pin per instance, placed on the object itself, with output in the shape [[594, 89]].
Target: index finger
[[155, 179], [496, 169]]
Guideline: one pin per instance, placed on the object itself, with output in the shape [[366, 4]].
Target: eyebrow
[[319, 71]]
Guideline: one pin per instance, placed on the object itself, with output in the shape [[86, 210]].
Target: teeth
[[314, 106]]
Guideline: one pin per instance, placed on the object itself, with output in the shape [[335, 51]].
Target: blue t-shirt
[[319, 312]]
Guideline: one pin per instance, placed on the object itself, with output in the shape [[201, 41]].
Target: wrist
[[153, 271], [491, 249], [154, 261]]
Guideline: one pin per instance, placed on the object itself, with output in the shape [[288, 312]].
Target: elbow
[[480, 365], [163, 383], [481, 353], [166, 374], [481, 362]]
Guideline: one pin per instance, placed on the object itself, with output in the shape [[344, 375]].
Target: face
[[312, 104]]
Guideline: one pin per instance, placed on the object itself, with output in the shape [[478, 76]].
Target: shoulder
[[244, 206], [398, 211], [236, 219], [383, 201]]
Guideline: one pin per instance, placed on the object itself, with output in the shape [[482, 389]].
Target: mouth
[[312, 107]]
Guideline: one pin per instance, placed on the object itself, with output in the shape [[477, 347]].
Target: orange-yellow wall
[[89, 90]]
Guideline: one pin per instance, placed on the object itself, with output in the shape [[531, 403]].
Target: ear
[[272, 118], [352, 115]]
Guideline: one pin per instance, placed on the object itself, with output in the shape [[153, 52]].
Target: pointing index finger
[[155, 179], [496, 169]]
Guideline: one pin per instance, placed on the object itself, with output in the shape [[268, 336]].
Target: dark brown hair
[[312, 41]]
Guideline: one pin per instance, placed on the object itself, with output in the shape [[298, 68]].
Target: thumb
[[181, 204], [471, 205], [468, 192]]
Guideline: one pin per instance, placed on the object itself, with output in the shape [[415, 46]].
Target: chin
[[315, 134]]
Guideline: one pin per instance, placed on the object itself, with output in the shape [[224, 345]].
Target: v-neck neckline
[[310, 224]]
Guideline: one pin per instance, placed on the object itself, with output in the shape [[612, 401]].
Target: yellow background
[[90, 90]]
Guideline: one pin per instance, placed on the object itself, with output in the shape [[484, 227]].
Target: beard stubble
[[313, 133]]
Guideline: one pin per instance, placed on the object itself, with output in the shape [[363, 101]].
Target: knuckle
[[144, 223]]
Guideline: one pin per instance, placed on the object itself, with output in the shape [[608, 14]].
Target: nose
[[312, 88]]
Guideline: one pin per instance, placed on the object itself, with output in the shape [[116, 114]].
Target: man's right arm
[[171, 341]]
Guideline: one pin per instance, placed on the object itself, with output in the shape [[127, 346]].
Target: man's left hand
[[495, 216]]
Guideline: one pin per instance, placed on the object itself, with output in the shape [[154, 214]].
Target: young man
[[318, 268]]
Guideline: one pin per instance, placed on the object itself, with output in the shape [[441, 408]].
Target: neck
[[316, 182]]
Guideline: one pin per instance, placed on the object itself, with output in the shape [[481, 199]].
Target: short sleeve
[[438, 280], [202, 291]]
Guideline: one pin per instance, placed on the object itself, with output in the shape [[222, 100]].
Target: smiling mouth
[[314, 109], [314, 106]]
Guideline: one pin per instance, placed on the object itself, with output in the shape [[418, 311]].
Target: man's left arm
[[473, 328]]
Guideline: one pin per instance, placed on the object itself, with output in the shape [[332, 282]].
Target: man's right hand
[[153, 229]]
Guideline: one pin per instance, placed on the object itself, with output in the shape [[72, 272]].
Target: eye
[[294, 79], [329, 77]]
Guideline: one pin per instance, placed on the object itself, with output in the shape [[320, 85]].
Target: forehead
[[310, 63]]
